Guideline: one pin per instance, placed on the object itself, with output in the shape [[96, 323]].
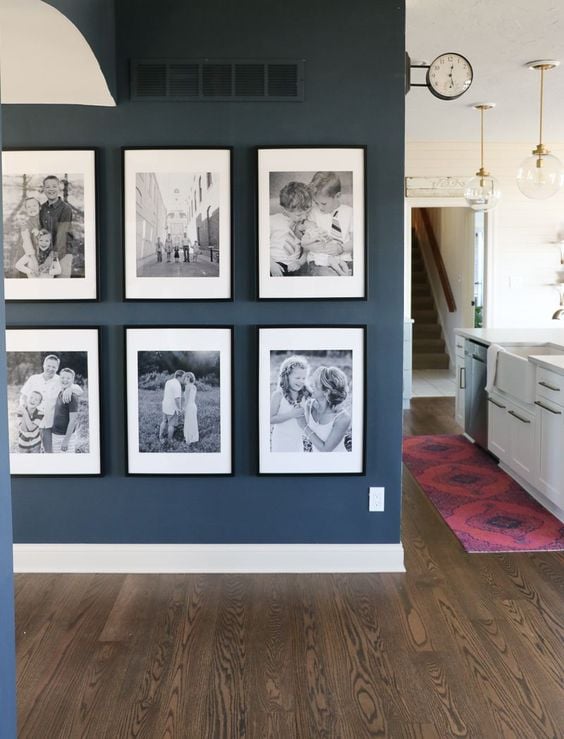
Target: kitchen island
[[525, 413]]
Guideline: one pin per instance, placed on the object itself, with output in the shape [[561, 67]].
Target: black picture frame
[[100, 387], [96, 260], [360, 407], [126, 272], [260, 275], [231, 385]]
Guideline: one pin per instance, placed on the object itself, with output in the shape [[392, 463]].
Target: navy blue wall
[[7, 647], [354, 95]]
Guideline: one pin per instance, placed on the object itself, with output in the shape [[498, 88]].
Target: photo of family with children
[[177, 224], [48, 402], [43, 225], [311, 224], [179, 401], [311, 401]]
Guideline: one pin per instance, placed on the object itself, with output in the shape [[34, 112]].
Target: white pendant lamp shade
[[541, 175], [482, 191]]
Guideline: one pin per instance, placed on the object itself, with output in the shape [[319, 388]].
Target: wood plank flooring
[[460, 646]]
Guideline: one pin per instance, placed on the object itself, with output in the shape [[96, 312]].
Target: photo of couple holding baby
[[311, 224], [310, 406], [49, 404]]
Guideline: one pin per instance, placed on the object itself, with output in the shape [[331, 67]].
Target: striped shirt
[[29, 436]]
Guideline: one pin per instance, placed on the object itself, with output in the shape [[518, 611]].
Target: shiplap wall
[[524, 259]]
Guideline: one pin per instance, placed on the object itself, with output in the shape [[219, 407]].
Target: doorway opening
[[447, 254]]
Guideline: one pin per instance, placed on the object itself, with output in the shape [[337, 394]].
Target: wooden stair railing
[[424, 229]]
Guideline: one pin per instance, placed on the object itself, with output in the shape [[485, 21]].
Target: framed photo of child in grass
[[54, 401], [49, 207], [311, 223], [311, 400], [177, 223], [179, 400]]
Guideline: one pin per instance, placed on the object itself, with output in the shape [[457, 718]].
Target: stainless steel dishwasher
[[475, 396]]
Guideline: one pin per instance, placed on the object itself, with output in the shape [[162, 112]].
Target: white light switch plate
[[375, 499]]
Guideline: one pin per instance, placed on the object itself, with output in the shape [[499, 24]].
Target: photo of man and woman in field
[[179, 401]]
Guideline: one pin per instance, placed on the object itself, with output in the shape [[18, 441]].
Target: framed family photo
[[54, 401], [311, 400], [311, 222], [177, 224], [179, 400], [49, 207]]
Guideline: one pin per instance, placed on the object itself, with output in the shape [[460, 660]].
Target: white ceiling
[[498, 37]]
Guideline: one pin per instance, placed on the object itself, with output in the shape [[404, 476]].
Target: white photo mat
[[45, 162], [174, 340], [177, 161], [63, 340], [312, 160], [298, 340]]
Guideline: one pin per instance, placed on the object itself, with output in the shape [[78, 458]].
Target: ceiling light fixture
[[541, 175], [482, 191]]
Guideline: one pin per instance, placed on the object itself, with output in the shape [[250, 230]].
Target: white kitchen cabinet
[[522, 455], [511, 436], [550, 450], [498, 427]]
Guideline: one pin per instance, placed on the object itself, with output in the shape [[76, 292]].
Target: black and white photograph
[[179, 400], [177, 223], [311, 223], [311, 400], [49, 206], [53, 401]]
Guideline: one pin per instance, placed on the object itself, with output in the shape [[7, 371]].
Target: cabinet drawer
[[550, 385], [459, 346]]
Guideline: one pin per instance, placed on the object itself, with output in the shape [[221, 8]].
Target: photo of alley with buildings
[[177, 224]]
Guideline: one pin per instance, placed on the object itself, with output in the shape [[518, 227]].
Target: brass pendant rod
[[541, 106], [482, 138]]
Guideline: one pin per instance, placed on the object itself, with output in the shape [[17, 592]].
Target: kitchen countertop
[[523, 337], [555, 364], [515, 336]]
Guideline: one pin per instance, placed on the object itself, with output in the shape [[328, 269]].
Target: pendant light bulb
[[541, 175], [482, 191]]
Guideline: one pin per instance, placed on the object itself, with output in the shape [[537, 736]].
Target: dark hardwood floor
[[460, 646]]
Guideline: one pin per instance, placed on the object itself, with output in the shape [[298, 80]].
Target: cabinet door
[[522, 447], [498, 428], [551, 453], [460, 389]]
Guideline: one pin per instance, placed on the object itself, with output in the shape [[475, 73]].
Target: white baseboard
[[228, 558]]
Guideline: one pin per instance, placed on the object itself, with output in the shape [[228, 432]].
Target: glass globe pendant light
[[482, 191], [541, 175]]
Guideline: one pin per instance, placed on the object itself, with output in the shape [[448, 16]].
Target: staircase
[[428, 343]]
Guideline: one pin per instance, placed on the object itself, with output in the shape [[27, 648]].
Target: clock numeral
[[436, 66]]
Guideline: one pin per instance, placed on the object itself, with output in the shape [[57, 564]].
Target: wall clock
[[448, 76]]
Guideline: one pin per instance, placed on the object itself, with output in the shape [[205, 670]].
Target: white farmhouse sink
[[515, 374]]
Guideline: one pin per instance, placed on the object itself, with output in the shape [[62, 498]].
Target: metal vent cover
[[223, 80]]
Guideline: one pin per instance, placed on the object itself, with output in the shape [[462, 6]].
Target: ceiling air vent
[[233, 80]]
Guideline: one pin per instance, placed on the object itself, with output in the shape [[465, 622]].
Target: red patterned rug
[[482, 505]]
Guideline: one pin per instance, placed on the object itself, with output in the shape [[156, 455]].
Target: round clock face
[[449, 76]]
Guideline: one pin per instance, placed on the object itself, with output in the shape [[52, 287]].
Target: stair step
[[420, 289], [430, 361], [426, 330], [428, 345], [422, 302], [424, 316]]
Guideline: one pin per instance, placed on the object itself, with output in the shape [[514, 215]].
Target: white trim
[[187, 558]]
